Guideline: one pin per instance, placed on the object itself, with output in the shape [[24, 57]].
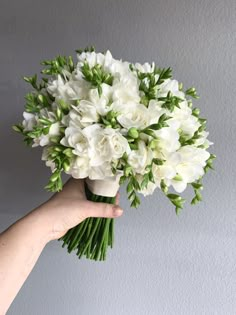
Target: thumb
[[101, 209]]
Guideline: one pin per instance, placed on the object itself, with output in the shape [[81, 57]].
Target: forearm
[[20, 246]]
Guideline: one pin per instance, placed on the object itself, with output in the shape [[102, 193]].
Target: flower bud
[[133, 133]]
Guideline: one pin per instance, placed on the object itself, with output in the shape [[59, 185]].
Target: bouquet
[[112, 122]]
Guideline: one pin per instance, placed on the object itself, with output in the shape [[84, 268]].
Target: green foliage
[[177, 201], [109, 120], [32, 103], [197, 187], [96, 76], [185, 140], [170, 101], [160, 124], [132, 187], [87, 49], [164, 74], [149, 82], [209, 163], [61, 156], [58, 65], [192, 92]]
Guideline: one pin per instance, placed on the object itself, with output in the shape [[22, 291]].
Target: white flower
[[48, 163], [75, 138], [149, 189], [30, 120], [101, 102], [193, 161], [82, 115], [93, 58], [167, 140], [86, 112], [203, 141], [155, 111], [79, 167], [126, 89], [187, 122], [172, 86], [68, 90], [102, 171], [44, 140], [132, 114], [140, 158], [145, 68], [105, 144]]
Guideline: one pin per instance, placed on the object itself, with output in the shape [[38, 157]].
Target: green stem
[[93, 236]]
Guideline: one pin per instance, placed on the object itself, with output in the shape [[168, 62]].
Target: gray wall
[[161, 264]]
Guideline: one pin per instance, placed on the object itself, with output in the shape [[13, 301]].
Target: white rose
[[75, 138], [105, 144], [132, 114], [79, 167]]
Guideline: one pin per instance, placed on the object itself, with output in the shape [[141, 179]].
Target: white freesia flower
[[172, 86], [140, 158], [203, 141], [167, 140], [44, 140], [126, 88], [48, 162], [30, 120], [102, 102], [155, 111], [187, 122], [68, 90], [193, 161], [93, 58], [87, 113], [145, 68]]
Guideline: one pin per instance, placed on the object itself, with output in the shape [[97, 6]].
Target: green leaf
[[18, 128], [158, 161], [192, 92]]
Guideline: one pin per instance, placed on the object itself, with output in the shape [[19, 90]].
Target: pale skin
[[22, 243]]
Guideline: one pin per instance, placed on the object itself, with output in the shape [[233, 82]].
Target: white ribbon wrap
[[104, 187]]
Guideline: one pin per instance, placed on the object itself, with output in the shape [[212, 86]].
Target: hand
[[69, 207]]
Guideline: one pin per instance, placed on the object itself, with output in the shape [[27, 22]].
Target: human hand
[[70, 206]]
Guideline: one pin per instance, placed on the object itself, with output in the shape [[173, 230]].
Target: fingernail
[[117, 211]]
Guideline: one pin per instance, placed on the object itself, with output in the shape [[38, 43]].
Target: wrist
[[39, 222]]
